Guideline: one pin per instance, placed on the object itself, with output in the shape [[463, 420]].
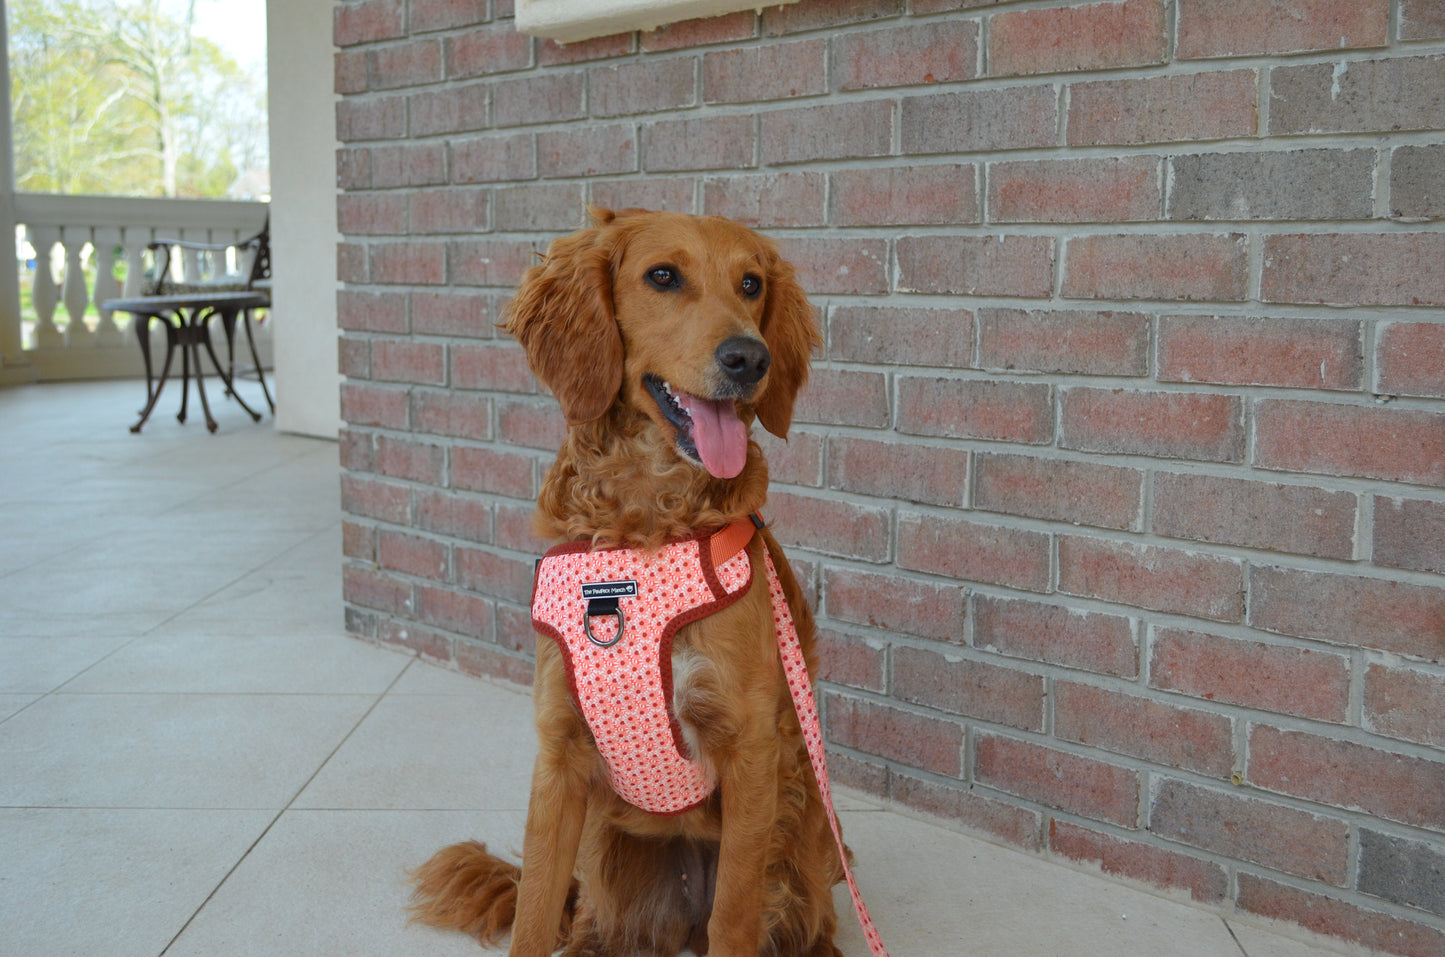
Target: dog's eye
[[752, 285], [664, 277]]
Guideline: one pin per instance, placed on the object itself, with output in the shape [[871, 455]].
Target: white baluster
[[195, 268], [136, 239], [105, 242], [73, 291], [43, 290]]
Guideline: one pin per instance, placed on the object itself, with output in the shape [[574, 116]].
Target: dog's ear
[[562, 315], [790, 328]]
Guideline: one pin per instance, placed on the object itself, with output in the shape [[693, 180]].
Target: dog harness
[[614, 612]]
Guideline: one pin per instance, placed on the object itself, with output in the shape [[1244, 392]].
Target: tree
[[119, 97]]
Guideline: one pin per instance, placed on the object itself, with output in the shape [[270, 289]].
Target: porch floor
[[196, 760]]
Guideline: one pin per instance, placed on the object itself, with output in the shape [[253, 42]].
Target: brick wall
[[1120, 487]]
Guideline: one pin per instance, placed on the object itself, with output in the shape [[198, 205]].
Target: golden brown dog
[[664, 337]]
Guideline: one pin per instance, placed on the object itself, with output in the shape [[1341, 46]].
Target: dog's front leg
[[555, 812], [749, 806]]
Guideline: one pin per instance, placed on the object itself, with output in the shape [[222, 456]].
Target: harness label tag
[[620, 589]]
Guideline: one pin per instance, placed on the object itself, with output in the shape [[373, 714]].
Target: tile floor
[[195, 760]]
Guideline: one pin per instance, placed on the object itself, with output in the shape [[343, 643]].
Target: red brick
[[833, 131], [941, 51], [1410, 534], [374, 589], [1395, 445], [514, 630], [929, 744], [1107, 190], [1153, 577], [976, 408], [415, 164], [1143, 728], [456, 210], [379, 118], [774, 72], [972, 551], [674, 194], [353, 358], [410, 459], [833, 527], [467, 313], [449, 413], [776, 199], [486, 159], [1213, 28], [1355, 269], [499, 49], [553, 97], [515, 528], [454, 611], [901, 335], [1081, 493], [353, 168], [1070, 341], [915, 473], [974, 689], [1421, 20], [422, 363], [587, 151], [1405, 703], [1347, 775], [358, 541], [1279, 678], [1360, 96], [780, 20], [851, 660], [1411, 359], [537, 207], [493, 470], [1089, 640], [356, 450], [412, 554], [1280, 518], [351, 262], [371, 311], [1079, 785], [1180, 267], [796, 460], [905, 196], [424, 642], [976, 121], [703, 31], [960, 805], [1021, 266], [496, 576], [851, 266], [1238, 350], [647, 86], [490, 262], [718, 142], [1397, 616], [1162, 424], [410, 262], [894, 603], [369, 498], [1336, 918], [1095, 36], [1165, 109], [500, 367], [406, 64], [353, 23], [1205, 881], [454, 515], [844, 397], [534, 425], [1296, 842], [371, 214], [373, 405], [551, 53], [440, 14]]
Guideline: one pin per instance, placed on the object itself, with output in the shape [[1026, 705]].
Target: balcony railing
[[65, 333]]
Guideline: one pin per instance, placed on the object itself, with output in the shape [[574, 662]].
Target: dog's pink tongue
[[720, 436]]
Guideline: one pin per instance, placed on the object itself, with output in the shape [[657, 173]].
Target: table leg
[[185, 370], [256, 360], [142, 324], [228, 320]]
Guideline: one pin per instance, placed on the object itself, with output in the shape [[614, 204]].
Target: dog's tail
[[466, 888]]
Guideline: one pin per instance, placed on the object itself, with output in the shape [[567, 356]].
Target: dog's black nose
[[744, 359]]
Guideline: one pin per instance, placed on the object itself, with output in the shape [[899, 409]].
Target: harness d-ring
[[607, 608]]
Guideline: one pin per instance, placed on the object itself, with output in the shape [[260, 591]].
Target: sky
[[236, 26]]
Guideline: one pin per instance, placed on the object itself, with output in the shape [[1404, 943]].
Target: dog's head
[[695, 322]]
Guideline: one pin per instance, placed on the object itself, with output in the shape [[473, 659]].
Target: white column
[[12, 348]]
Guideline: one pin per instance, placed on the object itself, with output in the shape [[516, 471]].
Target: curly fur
[[750, 871]]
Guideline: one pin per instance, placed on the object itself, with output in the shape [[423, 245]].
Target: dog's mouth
[[708, 430]]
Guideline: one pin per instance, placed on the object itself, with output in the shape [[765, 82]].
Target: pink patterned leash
[[796, 670]]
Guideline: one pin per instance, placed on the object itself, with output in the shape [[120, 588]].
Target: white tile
[[115, 882], [170, 750], [449, 752], [427, 678], [12, 703], [333, 882], [42, 664], [1290, 941]]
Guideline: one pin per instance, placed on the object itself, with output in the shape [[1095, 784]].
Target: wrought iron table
[[186, 317]]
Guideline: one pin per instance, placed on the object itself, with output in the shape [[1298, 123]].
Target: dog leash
[[796, 670]]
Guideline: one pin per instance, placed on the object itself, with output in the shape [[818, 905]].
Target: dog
[[664, 337]]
